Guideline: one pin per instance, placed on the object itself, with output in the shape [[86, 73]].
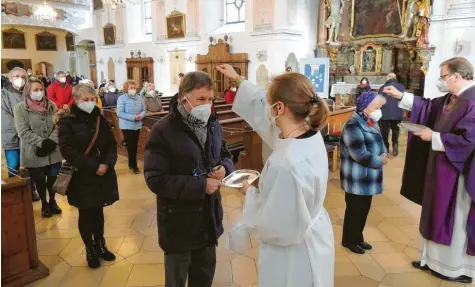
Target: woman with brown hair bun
[[286, 212]]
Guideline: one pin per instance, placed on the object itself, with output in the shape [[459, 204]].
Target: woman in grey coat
[[38, 142]]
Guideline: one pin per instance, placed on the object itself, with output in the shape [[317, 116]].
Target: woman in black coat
[[94, 183], [363, 87]]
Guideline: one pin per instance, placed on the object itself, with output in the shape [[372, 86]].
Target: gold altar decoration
[[425, 56], [332, 53], [369, 59], [421, 24]]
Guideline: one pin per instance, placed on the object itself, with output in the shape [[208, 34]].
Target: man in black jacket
[[392, 114], [185, 160]]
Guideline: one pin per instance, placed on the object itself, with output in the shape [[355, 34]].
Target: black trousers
[[131, 138], [91, 224], [356, 213], [44, 179], [197, 265], [386, 126]]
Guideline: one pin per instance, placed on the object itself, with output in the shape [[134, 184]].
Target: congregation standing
[[43, 126]]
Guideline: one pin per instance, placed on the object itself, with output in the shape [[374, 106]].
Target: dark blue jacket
[[391, 110], [175, 170]]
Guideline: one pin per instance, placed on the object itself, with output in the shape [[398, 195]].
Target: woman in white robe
[[286, 213]]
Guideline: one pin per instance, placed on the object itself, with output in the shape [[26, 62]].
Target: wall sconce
[[160, 60], [101, 61], [189, 59], [119, 61], [262, 55]]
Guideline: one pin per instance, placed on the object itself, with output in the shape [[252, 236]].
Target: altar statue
[[421, 26], [410, 13], [334, 20]]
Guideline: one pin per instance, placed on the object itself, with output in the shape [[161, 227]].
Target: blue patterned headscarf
[[363, 102]]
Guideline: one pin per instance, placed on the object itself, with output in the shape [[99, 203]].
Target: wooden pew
[[232, 131], [251, 157]]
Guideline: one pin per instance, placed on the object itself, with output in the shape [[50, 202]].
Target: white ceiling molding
[[67, 25]]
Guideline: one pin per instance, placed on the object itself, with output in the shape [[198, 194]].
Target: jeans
[[131, 138], [12, 157], [198, 266]]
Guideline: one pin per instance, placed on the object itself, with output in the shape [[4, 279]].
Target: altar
[[348, 89], [373, 38]]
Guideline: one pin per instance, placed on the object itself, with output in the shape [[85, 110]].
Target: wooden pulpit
[[20, 263]]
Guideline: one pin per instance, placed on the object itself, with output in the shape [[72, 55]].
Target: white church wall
[[452, 22], [279, 44], [59, 59]]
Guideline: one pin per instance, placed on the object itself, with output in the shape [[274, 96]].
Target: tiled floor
[[131, 234]]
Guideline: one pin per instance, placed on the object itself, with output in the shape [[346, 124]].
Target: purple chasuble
[[442, 169]]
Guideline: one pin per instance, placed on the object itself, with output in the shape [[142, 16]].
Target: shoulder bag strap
[[93, 141]]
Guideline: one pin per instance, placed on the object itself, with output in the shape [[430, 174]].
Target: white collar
[[472, 84]]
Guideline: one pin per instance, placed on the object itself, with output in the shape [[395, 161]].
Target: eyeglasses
[[443, 76]]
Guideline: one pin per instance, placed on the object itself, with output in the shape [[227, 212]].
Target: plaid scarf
[[199, 127]]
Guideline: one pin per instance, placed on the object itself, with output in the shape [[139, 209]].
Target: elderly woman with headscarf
[[363, 155]]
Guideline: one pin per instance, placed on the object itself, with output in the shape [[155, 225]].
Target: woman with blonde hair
[[286, 212], [86, 142], [131, 111], [38, 142]]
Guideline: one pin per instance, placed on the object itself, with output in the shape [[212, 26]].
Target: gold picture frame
[[109, 34], [369, 59], [176, 27], [393, 17]]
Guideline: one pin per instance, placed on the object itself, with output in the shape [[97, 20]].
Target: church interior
[[337, 44]]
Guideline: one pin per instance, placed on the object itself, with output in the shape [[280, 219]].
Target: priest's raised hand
[[393, 92]]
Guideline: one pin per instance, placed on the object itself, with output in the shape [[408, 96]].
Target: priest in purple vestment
[[447, 189]]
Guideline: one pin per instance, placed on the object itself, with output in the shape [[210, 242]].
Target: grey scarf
[[199, 127]]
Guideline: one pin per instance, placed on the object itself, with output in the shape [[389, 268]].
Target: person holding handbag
[[39, 153], [86, 142]]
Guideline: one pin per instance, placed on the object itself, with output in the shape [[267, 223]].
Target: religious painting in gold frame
[[109, 34], [374, 19], [369, 59], [176, 25]]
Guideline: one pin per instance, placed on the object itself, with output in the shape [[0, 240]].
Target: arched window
[[148, 16], [235, 11]]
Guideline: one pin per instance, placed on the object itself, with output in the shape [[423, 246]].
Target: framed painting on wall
[[371, 19], [369, 59], [109, 34], [176, 25], [98, 4], [46, 41], [8, 64], [317, 70], [70, 42], [13, 39]]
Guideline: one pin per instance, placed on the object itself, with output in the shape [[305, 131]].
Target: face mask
[[364, 82], [233, 90], [269, 114], [37, 96], [151, 93], [88, 107], [112, 90], [376, 115], [19, 82], [62, 80], [132, 92], [442, 86], [30, 73], [202, 112]]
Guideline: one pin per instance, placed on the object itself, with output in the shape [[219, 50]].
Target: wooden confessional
[[219, 54]]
